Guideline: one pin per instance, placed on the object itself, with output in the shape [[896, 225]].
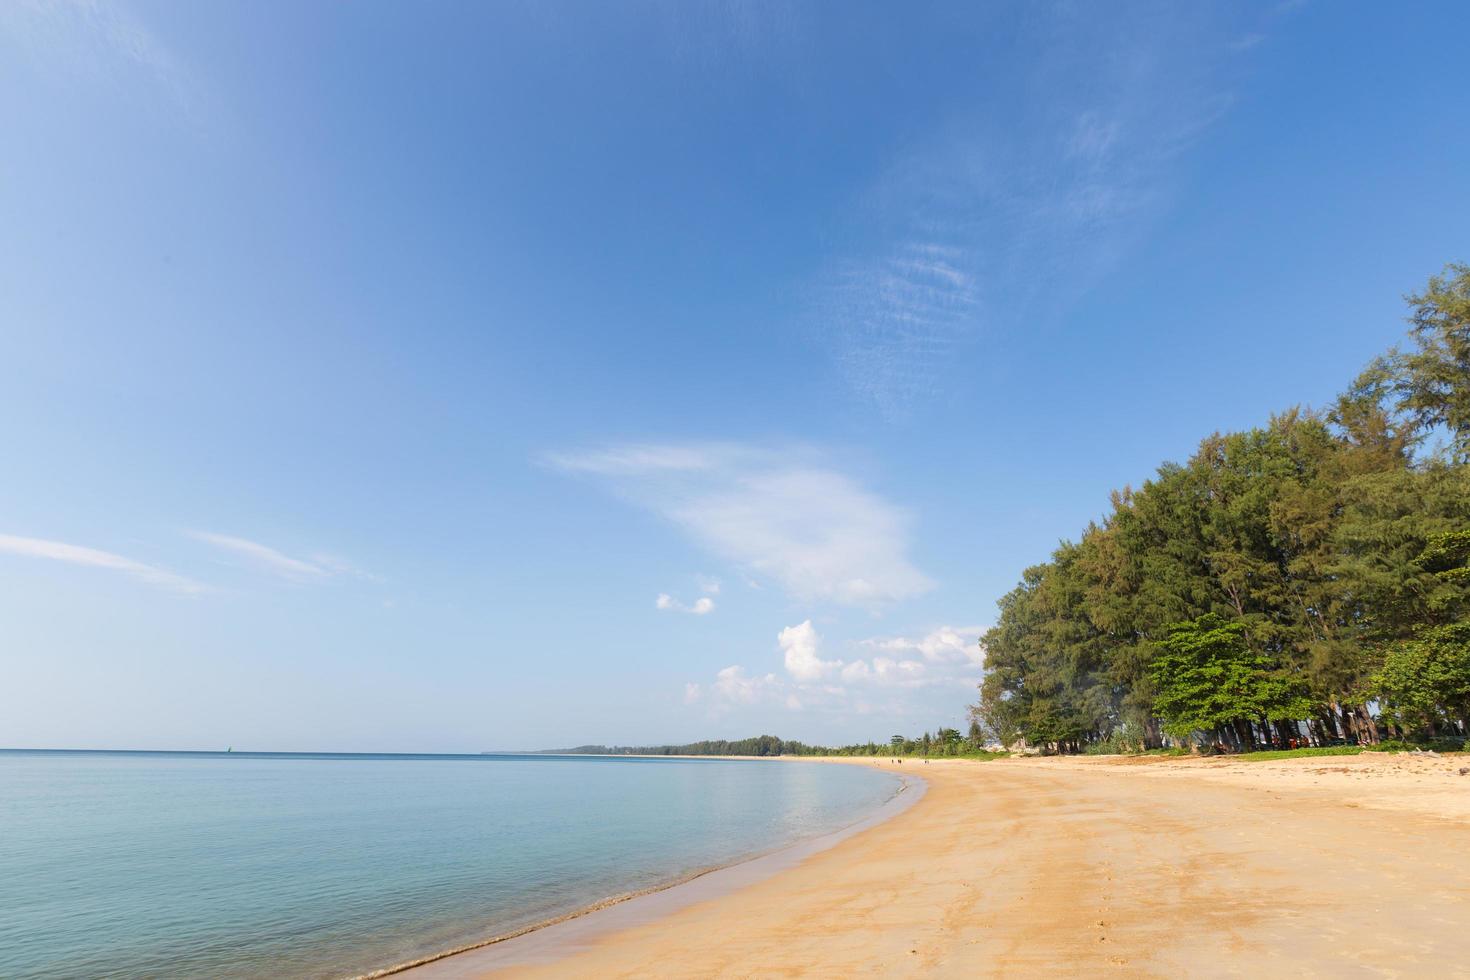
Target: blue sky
[[471, 376]]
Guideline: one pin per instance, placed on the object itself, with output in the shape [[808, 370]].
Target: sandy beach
[[1341, 866]]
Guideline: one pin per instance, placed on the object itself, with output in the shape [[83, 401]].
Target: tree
[[1433, 381], [1425, 682], [1045, 660], [1447, 557], [950, 739], [1208, 679]]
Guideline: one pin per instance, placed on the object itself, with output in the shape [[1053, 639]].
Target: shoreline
[[552, 939], [1074, 866]]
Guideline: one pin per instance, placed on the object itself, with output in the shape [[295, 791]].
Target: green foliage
[[1111, 745], [1307, 753], [1206, 676], [1448, 557], [1433, 381], [1425, 682], [1452, 744], [1395, 745]]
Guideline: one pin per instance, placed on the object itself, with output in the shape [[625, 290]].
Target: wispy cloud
[[1024, 198], [93, 39], [74, 554], [898, 316], [779, 514], [646, 459], [315, 568]]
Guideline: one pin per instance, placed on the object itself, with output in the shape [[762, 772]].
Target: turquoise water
[[246, 865]]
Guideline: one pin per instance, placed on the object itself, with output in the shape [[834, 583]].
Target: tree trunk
[[1232, 737], [1242, 728], [1292, 731], [1152, 737], [1368, 724]]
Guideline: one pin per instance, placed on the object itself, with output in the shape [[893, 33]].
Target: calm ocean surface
[[211, 865]]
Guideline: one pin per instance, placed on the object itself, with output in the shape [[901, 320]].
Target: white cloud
[[733, 686], [703, 606], [639, 460], [799, 645], [315, 569], [708, 585], [778, 514], [341, 566], [947, 644], [948, 656], [263, 556], [942, 660], [893, 671], [904, 665], [91, 557], [814, 531]]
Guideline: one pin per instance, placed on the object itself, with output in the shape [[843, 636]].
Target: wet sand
[[552, 941], [1345, 866]]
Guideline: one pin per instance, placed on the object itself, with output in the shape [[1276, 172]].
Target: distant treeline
[[763, 745], [1302, 582], [946, 741]]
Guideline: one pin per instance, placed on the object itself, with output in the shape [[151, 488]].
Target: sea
[[320, 865]]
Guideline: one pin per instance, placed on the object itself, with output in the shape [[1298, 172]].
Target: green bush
[[1117, 743], [1393, 745], [1302, 753], [1452, 744]]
